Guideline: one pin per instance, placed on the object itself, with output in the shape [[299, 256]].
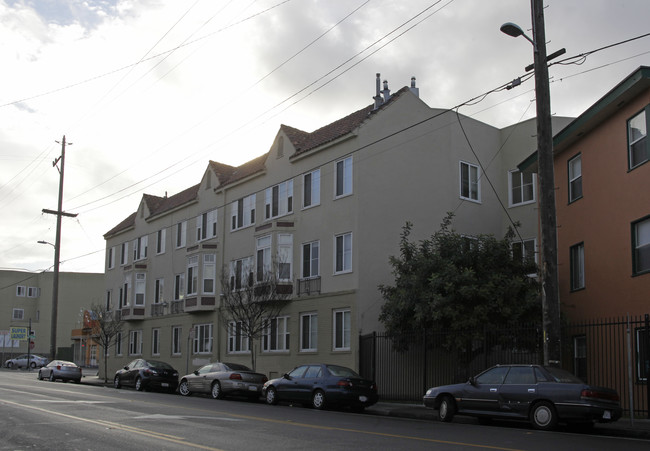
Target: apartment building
[[330, 206]]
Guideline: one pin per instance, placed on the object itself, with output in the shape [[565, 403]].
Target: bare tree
[[105, 325], [250, 299]]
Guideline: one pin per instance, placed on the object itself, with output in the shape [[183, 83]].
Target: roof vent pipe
[[386, 91], [414, 90], [377, 97]]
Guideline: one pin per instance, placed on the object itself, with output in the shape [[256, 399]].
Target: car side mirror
[[126, 367], [471, 380], [286, 376], [196, 372]]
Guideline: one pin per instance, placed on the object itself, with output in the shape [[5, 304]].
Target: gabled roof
[[240, 172], [124, 225]]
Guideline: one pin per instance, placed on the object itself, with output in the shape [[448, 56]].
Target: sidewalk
[[622, 428]]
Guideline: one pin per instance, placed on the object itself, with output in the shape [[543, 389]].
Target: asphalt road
[[37, 415]]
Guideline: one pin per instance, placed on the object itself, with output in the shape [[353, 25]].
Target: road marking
[[159, 416], [70, 401]]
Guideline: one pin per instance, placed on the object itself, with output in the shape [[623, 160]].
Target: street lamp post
[[549, 270]]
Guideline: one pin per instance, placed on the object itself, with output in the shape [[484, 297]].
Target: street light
[[548, 222], [46, 242]]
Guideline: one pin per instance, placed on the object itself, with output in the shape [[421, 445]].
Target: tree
[[251, 299], [459, 284], [105, 324]]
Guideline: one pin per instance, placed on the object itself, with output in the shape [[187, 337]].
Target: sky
[[146, 92]]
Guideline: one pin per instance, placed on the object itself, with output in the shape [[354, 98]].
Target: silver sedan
[[60, 369], [223, 379]]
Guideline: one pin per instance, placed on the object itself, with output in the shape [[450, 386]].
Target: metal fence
[[612, 353]]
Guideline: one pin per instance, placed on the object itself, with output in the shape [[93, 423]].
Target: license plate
[[363, 398], [607, 415], [252, 388], [165, 384]]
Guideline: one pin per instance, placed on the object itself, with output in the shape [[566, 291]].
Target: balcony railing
[[158, 309], [132, 313], [309, 286], [178, 306]]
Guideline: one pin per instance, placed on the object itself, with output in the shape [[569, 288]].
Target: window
[[160, 241], [124, 291], [309, 332], [577, 266], [310, 259], [110, 258], [522, 187], [140, 248], [21, 290], [311, 189], [18, 314], [343, 174], [278, 200], [524, 250], [469, 185], [176, 340], [33, 292], [159, 292], [342, 330], [642, 363], [241, 273], [276, 334], [155, 341], [109, 300], [263, 258], [124, 253], [637, 138], [580, 357], [206, 225], [285, 256], [575, 178], [209, 273], [641, 242], [179, 287], [140, 288], [343, 253], [181, 234], [242, 212], [192, 275], [118, 343], [203, 339], [237, 339], [135, 342]]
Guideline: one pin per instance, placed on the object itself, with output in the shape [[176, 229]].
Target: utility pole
[[550, 285], [57, 250]]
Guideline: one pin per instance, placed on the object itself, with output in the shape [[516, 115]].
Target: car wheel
[[318, 400], [10, 365], [447, 409], [76, 381], [184, 388], [543, 416], [116, 382], [52, 376], [216, 390], [138, 384], [32, 365], [40, 375], [271, 396]]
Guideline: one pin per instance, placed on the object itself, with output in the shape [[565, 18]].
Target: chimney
[[386, 91], [377, 97], [414, 90]]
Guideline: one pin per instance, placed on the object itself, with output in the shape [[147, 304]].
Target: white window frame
[[33, 292], [278, 200], [237, 341], [285, 256], [192, 275], [262, 257], [179, 286], [639, 142], [177, 340], [276, 336], [155, 341], [135, 342], [159, 291], [18, 314], [345, 241], [343, 171], [140, 289], [206, 225], [21, 291], [341, 336], [517, 183], [203, 338], [161, 237], [181, 234], [308, 271], [140, 247], [309, 332], [527, 249], [472, 182], [242, 277], [574, 173], [125, 289], [242, 213], [311, 189], [209, 279]]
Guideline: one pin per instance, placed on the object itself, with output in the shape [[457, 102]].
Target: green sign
[[19, 333]]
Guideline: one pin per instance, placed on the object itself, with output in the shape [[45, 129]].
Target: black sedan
[[321, 385], [147, 374], [60, 369], [222, 379], [540, 394]]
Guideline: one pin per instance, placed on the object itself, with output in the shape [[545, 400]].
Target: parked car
[[321, 385], [60, 369], [223, 379], [542, 395], [21, 361], [147, 374]]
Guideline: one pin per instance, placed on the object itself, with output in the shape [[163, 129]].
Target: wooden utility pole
[[57, 251], [549, 270]]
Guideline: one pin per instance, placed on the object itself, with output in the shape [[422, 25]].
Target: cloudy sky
[[148, 91]]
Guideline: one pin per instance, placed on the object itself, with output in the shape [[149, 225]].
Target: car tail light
[[344, 383], [58, 367], [235, 376], [150, 372], [595, 394]]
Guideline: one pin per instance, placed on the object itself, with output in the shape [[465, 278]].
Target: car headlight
[[429, 391]]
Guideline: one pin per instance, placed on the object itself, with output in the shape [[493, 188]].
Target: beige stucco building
[[330, 204]]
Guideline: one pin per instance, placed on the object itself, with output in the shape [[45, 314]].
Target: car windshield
[[160, 365], [560, 375], [341, 371]]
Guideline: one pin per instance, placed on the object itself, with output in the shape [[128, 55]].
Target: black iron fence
[[613, 353]]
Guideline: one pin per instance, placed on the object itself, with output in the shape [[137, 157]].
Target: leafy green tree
[[458, 284]]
